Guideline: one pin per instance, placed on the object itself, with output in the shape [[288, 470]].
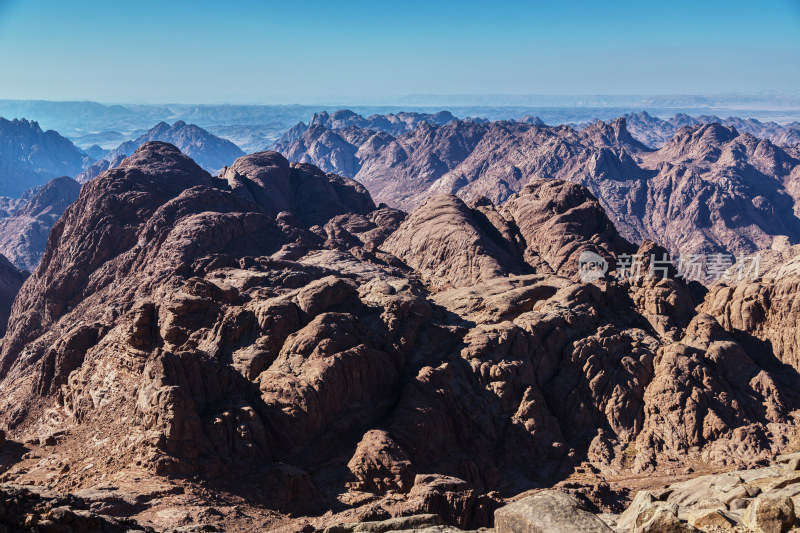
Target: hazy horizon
[[275, 53], [767, 99]]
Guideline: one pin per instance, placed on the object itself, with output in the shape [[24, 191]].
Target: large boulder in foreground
[[547, 512], [770, 514], [647, 515]]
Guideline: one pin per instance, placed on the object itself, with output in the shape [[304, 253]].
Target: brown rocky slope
[[269, 337], [26, 226]]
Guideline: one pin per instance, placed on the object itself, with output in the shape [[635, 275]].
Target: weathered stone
[[768, 514], [547, 512], [660, 518], [739, 504], [198, 328], [405, 523], [648, 515], [786, 458], [703, 519]]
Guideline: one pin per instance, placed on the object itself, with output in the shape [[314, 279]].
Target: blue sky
[[322, 51]]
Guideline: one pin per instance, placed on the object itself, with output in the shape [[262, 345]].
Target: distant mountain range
[[655, 132], [709, 189], [724, 178], [253, 127], [30, 157], [26, 220]]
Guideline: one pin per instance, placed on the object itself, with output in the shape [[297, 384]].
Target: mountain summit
[[209, 151]]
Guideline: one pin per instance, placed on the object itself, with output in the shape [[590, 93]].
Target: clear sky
[[313, 51]]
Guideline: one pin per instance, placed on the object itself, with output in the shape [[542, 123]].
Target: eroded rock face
[[757, 302], [758, 499], [559, 221], [452, 245], [268, 179], [272, 323], [770, 514], [545, 228]]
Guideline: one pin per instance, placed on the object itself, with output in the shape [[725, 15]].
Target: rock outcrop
[[451, 245], [41, 510], [755, 500], [550, 511], [560, 221], [757, 301]]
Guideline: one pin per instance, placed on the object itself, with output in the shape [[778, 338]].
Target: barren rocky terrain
[[269, 349], [708, 189]]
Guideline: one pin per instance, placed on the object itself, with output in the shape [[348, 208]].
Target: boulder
[[769, 514], [660, 518], [647, 515], [705, 519], [403, 523], [547, 512]]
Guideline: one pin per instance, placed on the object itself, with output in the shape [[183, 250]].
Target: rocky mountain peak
[[613, 134], [164, 161], [275, 185], [211, 152], [699, 140], [452, 245]]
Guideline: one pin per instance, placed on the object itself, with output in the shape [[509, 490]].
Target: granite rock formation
[[271, 337]]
